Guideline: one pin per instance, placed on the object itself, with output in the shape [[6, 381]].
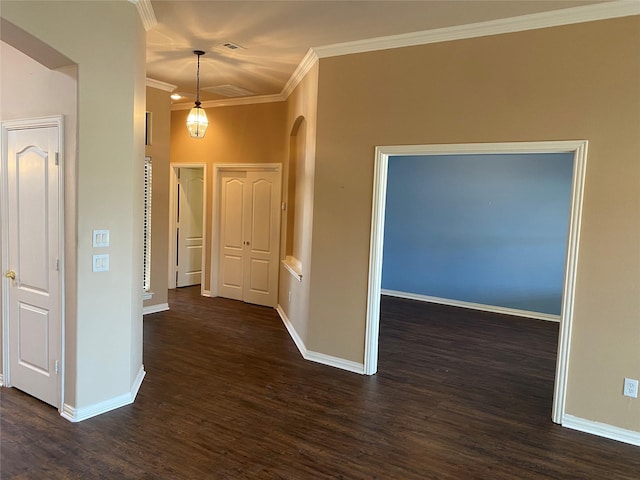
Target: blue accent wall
[[488, 229]]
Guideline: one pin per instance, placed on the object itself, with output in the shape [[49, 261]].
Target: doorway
[[187, 213], [32, 261], [246, 232], [579, 150]]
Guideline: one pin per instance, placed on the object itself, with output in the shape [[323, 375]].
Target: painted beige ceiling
[[276, 35]]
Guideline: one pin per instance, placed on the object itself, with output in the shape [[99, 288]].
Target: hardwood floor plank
[[459, 395]]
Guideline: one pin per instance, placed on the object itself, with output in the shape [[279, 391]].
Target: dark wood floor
[[459, 395]]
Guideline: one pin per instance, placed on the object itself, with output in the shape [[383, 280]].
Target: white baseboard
[[206, 293], [79, 414], [474, 306], [137, 383], [160, 307], [292, 331], [1, 380], [317, 357], [601, 429]]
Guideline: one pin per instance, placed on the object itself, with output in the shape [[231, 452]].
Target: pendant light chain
[[198, 82], [197, 122]]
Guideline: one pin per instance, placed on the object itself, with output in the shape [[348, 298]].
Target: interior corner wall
[[293, 295], [237, 134], [563, 83], [159, 104], [107, 42]]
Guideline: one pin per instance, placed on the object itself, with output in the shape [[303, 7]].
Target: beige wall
[[241, 134], [159, 104], [293, 295], [572, 82], [104, 311]]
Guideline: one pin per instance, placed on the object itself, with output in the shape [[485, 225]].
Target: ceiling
[[274, 36]]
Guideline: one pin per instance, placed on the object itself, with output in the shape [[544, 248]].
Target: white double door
[[31, 257], [249, 236]]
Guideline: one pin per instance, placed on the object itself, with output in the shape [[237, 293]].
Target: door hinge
[[57, 264], [57, 158], [57, 367]]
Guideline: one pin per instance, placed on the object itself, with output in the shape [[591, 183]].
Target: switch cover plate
[[101, 238], [101, 263]]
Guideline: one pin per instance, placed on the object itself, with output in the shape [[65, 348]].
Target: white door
[[249, 236], [32, 265], [189, 223]]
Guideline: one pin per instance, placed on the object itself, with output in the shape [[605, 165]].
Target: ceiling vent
[[229, 91], [232, 46]]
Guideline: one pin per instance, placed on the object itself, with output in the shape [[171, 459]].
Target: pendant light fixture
[[197, 122]]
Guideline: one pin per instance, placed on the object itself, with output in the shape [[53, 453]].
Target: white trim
[[160, 307], [293, 266], [292, 331], [137, 383], [601, 429], [206, 293], [309, 60], [474, 306], [382, 154], [147, 15], [1, 380], [147, 296], [554, 18], [167, 87], [79, 414], [317, 357], [39, 122], [534, 21], [233, 102], [569, 288]]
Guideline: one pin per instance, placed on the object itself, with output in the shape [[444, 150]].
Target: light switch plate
[[101, 263], [101, 238]]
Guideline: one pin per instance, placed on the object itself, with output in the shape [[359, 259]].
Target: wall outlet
[[630, 388]]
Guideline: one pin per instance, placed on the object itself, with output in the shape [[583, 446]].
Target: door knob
[[10, 274]]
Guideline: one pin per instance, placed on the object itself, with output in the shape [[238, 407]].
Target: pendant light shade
[[197, 122]]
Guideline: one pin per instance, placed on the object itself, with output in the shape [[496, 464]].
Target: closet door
[[249, 236]]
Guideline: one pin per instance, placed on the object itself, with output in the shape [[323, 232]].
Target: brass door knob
[[10, 274]]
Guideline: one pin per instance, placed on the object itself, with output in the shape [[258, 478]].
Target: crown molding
[[303, 68], [567, 16], [147, 15], [555, 18], [167, 87], [233, 102]]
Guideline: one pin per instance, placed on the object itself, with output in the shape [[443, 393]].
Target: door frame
[[218, 168], [173, 241], [6, 126], [382, 154]]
